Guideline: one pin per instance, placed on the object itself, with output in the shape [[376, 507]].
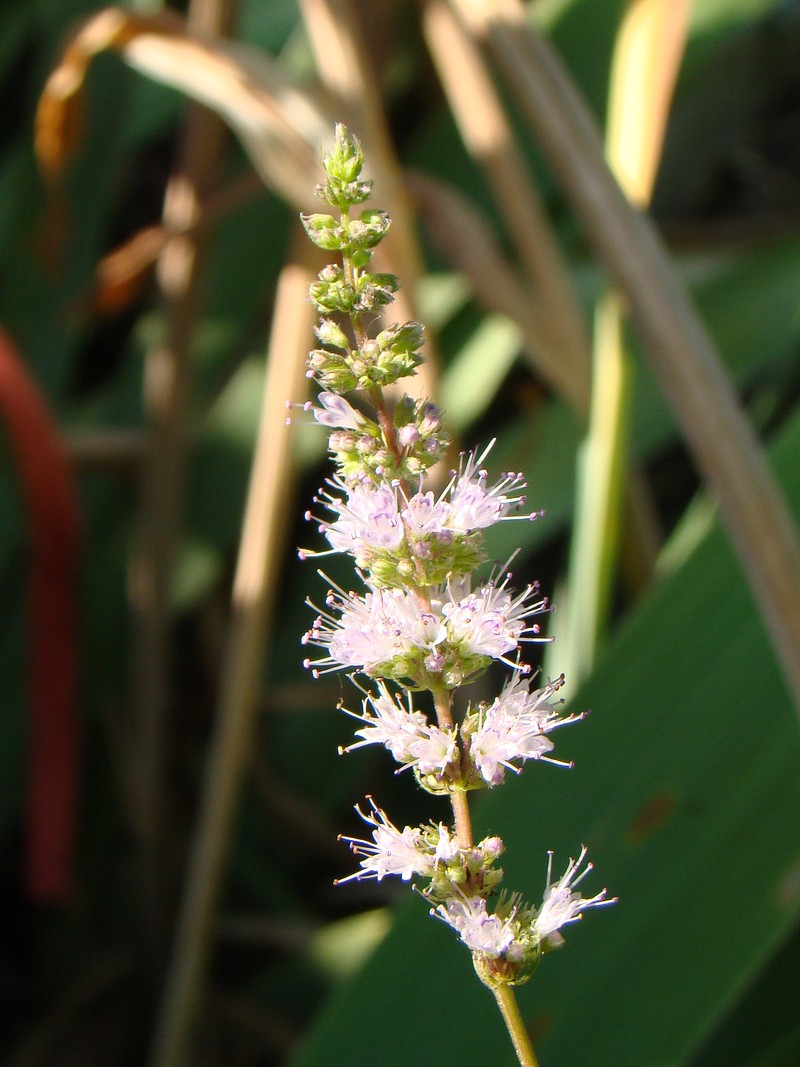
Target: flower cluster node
[[439, 636], [508, 943], [491, 739], [376, 361], [400, 537], [424, 619]]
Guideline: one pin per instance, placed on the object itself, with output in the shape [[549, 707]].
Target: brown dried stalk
[[257, 574], [696, 386], [167, 378]]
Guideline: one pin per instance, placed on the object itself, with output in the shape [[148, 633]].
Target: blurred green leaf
[[341, 947], [473, 378], [762, 1029]]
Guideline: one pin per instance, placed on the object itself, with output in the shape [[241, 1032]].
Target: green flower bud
[[432, 783], [345, 160], [343, 195], [331, 370], [374, 291], [324, 231], [343, 186], [331, 292], [402, 339], [368, 230], [329, 333], [496, 972]]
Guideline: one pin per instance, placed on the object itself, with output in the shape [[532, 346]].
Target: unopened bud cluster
[[424, 622]]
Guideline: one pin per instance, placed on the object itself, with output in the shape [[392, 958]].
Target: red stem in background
[[51, 510]]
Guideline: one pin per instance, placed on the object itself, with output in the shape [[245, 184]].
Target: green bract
[[324, 231]]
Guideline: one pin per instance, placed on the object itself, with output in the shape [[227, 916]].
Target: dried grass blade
[[167, 387], [255, 584], [487, 134], [647, 55], [683, 357], [280, 126], [467, 241]]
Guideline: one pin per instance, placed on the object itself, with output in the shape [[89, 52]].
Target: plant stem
[[385, 422], [458, 799], [441, 696], [460, 806], [509, 1009]]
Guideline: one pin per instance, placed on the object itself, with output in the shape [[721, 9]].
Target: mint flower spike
[[423, 620]]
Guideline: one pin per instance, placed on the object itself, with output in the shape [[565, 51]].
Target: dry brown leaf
[[122, 274], [279, 126], [59, 118]]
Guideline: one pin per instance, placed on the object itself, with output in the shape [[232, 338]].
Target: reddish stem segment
[[52, 515]]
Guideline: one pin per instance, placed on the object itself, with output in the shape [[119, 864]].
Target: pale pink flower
[[489, 935], [382, 627], [336, 412], [424, 515], [391, 851], [491, 621], [514, 726], [562, 904], [406, 733], [367, 518], [473, 504]]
